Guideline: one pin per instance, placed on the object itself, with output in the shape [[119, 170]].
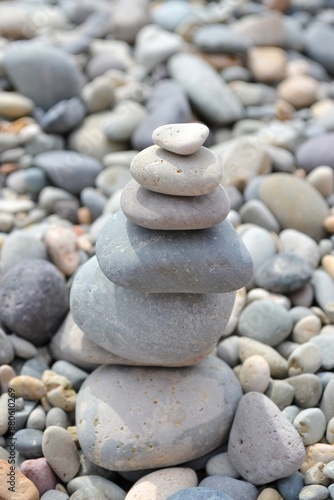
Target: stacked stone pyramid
[[159, 292]]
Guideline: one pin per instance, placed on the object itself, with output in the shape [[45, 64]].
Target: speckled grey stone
[[69, 170], [165, 172], [33, 300], [283, 273], [146, 327], [199, 493], [151, 416], [44, 73], [266, 321], [161, 211], [238, 490], [201, 261], [263, 445]]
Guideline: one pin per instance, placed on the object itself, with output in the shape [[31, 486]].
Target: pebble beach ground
[[134, 411]]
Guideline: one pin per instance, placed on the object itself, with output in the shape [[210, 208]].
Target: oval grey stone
[[161, 211], [155, 417], [241, 490], [206, 260], [146, 327]]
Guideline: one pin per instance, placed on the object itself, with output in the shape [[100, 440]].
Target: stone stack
[[159, 293]]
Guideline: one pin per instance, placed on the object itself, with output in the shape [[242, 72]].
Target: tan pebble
[[329, 224], [300, 173], [248, 347], [330, 431], [268, 64], [327, 263], [8, 168], [306, 328], [17, 125], [84, 243], [61, 243], [269, 494], [219, 61], [84, 215], [322, 107], [72, 430], [51, 380], [327, 330], [62, 398], [299, 91], [45, 404], [322, 178], [315, 475], [27, 387], [254, 374], [315, 453], [280, 5], [284, 110], [24, 489], [6, 375], [162, 483]]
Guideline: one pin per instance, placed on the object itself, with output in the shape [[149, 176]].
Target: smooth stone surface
[[40, 473], [181, 138], [298, 243], [265, 321], [123, 120], [24, 488], [238, 490], [206, 90], [34, 69], [307, 387], [6, 349], [69, 170], [63, 116], [200, 493], [220, 464], [254, 374], [260, 431], [319, 36], [316, 151], [29, 443], [323, 286], [62, 246], [306, 358], [290, 486], [146, 327], [256, 212], [124, 253], [260, 244], [311, 425], [164, 172], [35, 315], [220, 38], [21, 245], [108, 488], [13, 105], [160, 422], [31, 180], [313, 492], [249, 347], [283, 273], [165, 212], [325, 344], [155, 45], [162, 483], [61, 453], [295, 204]]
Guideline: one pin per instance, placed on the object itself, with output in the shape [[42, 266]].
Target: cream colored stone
[[162, 483], [315, 453], [327, 263], [268, 64], [299, 91], [306, 328], [27, 387], [51, 380], [322, 178], [269, 494], [254, 374], [13, 105], [248, 347], [61, 243], [61, 397]]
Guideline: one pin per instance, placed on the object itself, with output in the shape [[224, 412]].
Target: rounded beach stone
[[290, 486], [146, 327], [162, 211], [61, 453], [163, 482], [160, 422], [69, 170], [300, 244], [27, 387], [254, 374], [210, 260], [311, 425], [40, 473], [21, 245], [260, 431], [300, 90], [266, 321], [107, 487], [313, 492], [200, 493], [219, 464], [295, 203], [316, 151], [249, 347], [241, 490], [43, 73], [33, 300], [322, 178], [181, 138], [23, 487], [62, 246], [164, 172], [63, 116], [29, 443], [308, 390], [283, 273]]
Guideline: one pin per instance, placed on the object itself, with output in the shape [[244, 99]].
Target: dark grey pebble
[[289, 487], [29, 443], [63, 116]]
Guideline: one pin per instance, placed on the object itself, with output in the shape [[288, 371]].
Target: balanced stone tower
[[159, 294]]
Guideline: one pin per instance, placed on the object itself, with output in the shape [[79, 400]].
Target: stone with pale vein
[[212, 260], [181, 138], [162, 211], [164, 172]]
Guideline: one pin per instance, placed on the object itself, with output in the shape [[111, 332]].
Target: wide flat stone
[[137, 418], [164, 172], [162, 211], [152, 328], [201, 261], [181, 138]]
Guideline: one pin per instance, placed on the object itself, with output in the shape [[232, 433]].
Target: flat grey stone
[[207, 260], [207, 91], [155, 417], [164, 172], [44, 73], [263, 445], [146, 327], [69, 170], [181, 138], [162, 211]]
